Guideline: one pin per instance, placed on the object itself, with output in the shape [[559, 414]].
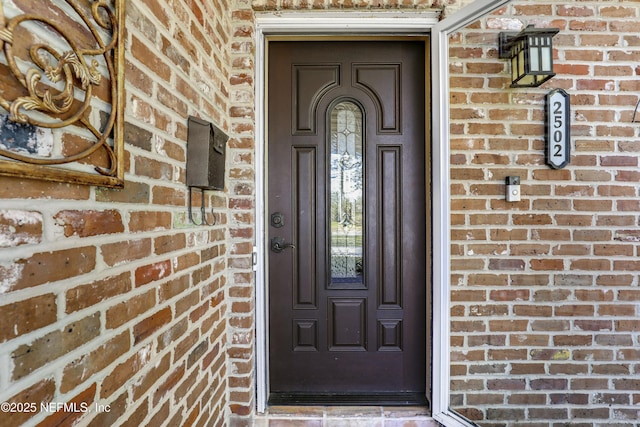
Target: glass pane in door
[[347, 186]]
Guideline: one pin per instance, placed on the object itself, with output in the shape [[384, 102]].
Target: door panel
[[348, 280]]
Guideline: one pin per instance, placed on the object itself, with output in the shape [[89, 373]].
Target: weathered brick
[[547, 413], [588, 384], [151, 324], [84, 296], [168, 196], [614, 340], [48, 267], [89, 223], [521, 368], [570, 398], [186, 261], [532, 310], [172, 288], [19, 227], [172, 334], [198, 312], [185, 386], [573, 340], [510, 264], [149, 221], [117, 408], [574, 310], [29, 357], [27, 315], [593, 354], [507, 354], [490, 340], [40, 393], [169, 383], [152, 62], [125, 311], [510, 295], [133, 192], [125, 371], [185, 344], [149, 273], [187, 302], [61, 416], [19, 188], [195, 394], [138, 415], [166, 244], [549, 384], [508, 325], [594, 325], [82, 368], [506, 384], [151, 376], [590, 414], [122, 252]]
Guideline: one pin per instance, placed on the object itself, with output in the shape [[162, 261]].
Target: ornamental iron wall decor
[[62, 86]]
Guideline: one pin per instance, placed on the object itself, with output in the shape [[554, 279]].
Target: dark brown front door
[[347, 220]]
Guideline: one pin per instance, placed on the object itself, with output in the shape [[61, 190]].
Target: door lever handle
[[278, 245]]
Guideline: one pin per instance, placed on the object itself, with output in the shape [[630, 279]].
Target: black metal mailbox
[[206, 155]]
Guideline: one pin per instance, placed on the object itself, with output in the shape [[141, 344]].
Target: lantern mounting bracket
[[505, 40]]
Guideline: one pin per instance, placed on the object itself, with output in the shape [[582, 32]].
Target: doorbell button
[[513, 189]]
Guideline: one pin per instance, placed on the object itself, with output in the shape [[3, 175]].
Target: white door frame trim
[[344, 23]]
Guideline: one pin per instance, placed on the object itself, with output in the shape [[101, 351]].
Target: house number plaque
[[558, 125]]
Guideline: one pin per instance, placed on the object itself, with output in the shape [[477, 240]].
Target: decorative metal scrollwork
[[72, 84]]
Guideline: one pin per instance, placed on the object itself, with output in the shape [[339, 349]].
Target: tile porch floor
[[344, 416]]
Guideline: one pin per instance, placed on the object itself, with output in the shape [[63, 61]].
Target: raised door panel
[[389, 230], [304, 206], [310, 82], [382, 83]]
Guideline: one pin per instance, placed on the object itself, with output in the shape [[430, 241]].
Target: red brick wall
[[241, 335], [545, 297], [112, 297]]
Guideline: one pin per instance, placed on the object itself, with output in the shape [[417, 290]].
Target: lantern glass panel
[[527, 80], [546, 58], [534, 57], [521, 59]]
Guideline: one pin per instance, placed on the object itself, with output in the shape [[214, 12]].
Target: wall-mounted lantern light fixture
[[531, 54]]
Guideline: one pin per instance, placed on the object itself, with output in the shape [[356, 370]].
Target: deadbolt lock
[[277, 220]]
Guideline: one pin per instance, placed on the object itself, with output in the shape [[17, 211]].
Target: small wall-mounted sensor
[[513, 188]]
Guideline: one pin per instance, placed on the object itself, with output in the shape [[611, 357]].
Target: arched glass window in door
[[347, 191]]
